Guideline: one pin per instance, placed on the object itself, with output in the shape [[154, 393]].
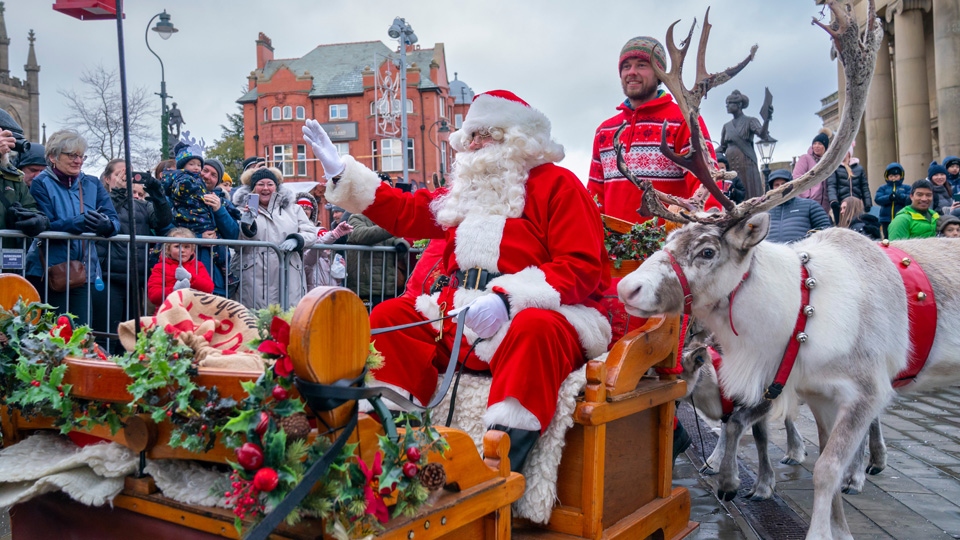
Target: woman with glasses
[[75, 203]]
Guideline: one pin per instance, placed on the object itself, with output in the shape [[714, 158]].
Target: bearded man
[[524, 250]]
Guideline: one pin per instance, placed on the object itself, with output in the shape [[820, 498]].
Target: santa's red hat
[[504, 109]]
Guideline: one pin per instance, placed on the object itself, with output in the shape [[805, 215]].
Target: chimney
[[264, 50]]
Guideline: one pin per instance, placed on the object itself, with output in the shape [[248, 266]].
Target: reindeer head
[[713, 252]]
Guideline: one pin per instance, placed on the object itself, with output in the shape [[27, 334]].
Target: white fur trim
[[356, 189], [189, 482], [428, 305], [527, 288], [477, 241], [488, 111], [592, 328], [511, 413]]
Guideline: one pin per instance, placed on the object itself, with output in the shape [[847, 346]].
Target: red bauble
[[263, 424], [279, 393], [266, 480], [250, 456], [410, 469], [413, 453]]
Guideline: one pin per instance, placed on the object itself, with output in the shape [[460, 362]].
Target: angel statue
[[736, 140]]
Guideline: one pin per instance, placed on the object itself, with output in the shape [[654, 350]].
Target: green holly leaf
[[243, 422]]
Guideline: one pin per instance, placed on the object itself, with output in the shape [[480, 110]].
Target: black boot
[[521, 442], [681, 440]]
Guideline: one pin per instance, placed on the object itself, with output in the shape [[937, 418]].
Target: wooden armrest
[[653, 344]]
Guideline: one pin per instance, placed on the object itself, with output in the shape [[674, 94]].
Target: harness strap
[[684, 284], [726, 404], [733, 293], [798, 336]]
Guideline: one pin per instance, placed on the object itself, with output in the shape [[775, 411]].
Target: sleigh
[[614, 477]]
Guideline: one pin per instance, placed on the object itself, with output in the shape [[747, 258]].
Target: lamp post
[[444, 128], [765, 149], [402, 31], [166, 29]]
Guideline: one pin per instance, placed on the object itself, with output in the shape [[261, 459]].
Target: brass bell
[[884, 242], [802, 337], [921, 296], [810, 283], [906, 261], [804, 257], [808, 310]]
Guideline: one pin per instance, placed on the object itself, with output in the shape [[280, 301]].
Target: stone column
[[913, 101], [878, 119], [946, 42]]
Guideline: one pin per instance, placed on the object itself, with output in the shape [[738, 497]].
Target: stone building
[[337, 85], [913, 108], [20, 98]]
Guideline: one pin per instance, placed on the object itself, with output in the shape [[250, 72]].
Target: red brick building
[[335, 84]]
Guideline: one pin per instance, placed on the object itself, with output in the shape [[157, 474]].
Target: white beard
[[490, 181]]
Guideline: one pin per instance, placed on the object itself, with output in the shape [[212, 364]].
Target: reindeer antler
[[858, 57]]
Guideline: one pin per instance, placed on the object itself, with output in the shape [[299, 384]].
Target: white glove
[[182, 273], [337, 233], [485, 316], [182, 284], [288, 245], [325, 151]]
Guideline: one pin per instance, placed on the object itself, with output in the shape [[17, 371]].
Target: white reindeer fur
[[858, 336]]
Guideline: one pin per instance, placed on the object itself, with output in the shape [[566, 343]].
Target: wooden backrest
[[14, 287]]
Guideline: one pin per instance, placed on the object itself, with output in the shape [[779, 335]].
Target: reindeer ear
[[746, 234]]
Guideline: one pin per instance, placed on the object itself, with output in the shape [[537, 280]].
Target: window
[[288, 113], [342, 148], [374, 155], [266, 115], [373, 108], [411, 163], [275, 113], [443, 109], [301, 113], [458, 121], [409, 106], [283, 158], [338, 112], [301, 160], [443, 157], [391, 158]]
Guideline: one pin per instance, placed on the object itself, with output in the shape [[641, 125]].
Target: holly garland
[[643, 240], [34, 342]]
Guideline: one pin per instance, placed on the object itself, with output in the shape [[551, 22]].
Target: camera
[[140, 177], [21, 145]]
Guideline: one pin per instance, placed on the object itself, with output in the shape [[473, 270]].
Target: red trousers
[[539, 351]]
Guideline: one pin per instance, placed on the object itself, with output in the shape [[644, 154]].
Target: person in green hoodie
[[916, 220]]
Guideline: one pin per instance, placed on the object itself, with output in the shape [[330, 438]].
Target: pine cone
[[432, 476], [296, 426]]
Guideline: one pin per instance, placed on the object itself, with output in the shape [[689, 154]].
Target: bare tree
[[97, 113]]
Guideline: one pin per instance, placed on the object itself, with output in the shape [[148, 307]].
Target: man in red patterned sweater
[[644, 111]]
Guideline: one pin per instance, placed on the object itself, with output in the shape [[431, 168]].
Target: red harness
[[726, 404], [921, 312]]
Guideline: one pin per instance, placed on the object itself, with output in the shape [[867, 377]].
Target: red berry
[[410, 469], [169, 414], [279, 393], [203, 427], [35, 383], [263, 424], [413, 453], [250, 456], [61, 394], [176, 356], [266, 479], [141, 357]]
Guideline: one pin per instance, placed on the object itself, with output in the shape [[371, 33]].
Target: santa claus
[[523, 249]]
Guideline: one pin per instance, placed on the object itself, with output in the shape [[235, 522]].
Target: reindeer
[[835, 301], [703, 390]]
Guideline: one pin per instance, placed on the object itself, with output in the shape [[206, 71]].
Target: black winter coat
[[794, 219], [150, 219], [840, 186]]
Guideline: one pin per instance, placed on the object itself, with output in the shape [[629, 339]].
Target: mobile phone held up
[[956, 197], [253, 203], [139, 177]]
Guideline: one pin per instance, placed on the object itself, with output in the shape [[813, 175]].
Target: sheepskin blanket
[[541, 467], [217, 329], [93, 475]]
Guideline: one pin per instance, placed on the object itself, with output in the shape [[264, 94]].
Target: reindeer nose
[[628, 292]]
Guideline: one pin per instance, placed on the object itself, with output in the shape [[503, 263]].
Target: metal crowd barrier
[[366, 268]]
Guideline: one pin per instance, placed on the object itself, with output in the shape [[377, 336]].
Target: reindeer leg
[[796, 450], [878, 449], [766, 481], [741, 419], [712, 464], [855, 476]]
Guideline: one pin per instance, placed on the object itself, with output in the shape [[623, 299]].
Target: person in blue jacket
[[795, 219], [225, 217], [75, 203], [893, 196]]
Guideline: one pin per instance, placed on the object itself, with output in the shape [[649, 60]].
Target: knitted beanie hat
[[188, 148], [250, 161], [271, 173], [936, 168], [33, 156], [779, 174], [217, 166], [823, 139], [645, 48]]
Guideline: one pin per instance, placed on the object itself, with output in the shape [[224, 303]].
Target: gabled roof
[[337, 69]]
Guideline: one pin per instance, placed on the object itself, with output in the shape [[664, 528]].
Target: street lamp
[[765, 149], [166, 29], [402, 31], [444, 128]]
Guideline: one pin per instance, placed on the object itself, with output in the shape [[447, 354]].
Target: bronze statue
[[736, 141], [175, 120]]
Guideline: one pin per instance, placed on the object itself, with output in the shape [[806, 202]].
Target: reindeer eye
[[707, 253]]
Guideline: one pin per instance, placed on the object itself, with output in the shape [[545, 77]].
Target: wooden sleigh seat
[[615, 474]]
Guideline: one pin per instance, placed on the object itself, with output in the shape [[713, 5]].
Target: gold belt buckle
[[476, 282]]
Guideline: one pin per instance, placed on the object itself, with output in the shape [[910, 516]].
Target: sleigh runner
[[613, 480]]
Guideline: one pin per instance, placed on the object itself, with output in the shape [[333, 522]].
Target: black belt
[[474, 278]]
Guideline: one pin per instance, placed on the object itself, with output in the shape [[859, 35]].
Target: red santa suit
[[552, 267]]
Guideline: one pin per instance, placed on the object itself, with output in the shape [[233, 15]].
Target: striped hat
[[643, 47]]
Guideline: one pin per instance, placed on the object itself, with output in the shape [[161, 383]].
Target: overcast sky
[[558, 55]]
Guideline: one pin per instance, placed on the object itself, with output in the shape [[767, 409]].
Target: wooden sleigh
[[614, 477]]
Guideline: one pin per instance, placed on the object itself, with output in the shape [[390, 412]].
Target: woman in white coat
[[278, 219]]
